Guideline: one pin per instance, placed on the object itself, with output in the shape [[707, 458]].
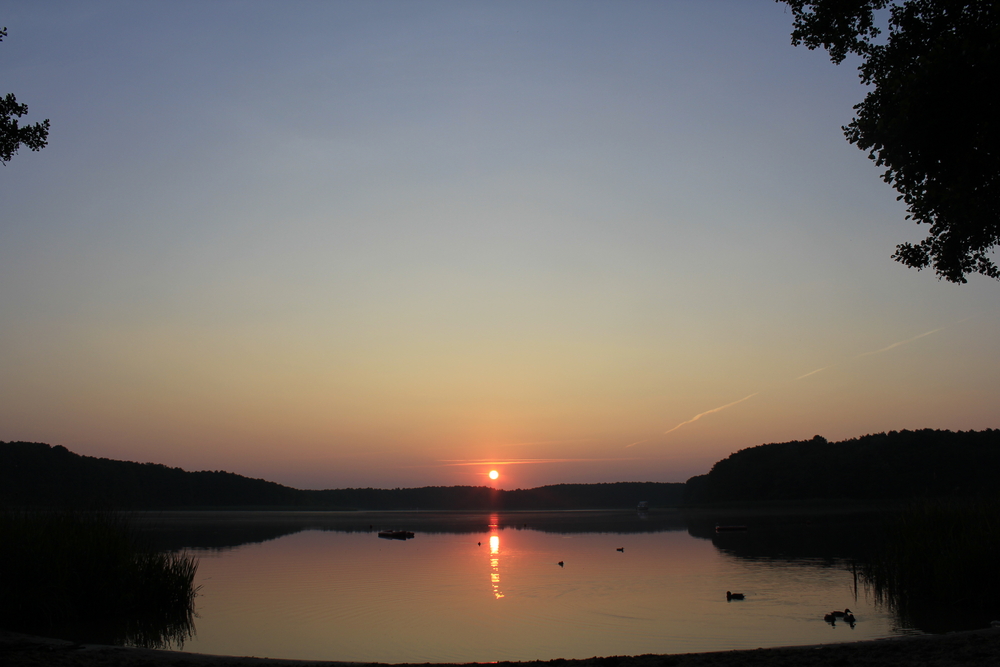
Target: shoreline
[[968, 648]]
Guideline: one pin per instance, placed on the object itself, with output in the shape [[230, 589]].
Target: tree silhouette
[[929, 118], [12, 136]]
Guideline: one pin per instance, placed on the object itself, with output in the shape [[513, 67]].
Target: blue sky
[[358, 243]]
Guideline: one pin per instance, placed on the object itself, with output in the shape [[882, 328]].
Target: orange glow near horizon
[[339, 324]]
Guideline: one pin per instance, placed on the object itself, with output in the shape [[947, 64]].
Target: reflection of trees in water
[[936, 564], [87, 576], [932, 566], [822, 536], [834, 536], [154, 622], [226, 530]]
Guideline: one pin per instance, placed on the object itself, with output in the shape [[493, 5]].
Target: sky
[[398, 244]]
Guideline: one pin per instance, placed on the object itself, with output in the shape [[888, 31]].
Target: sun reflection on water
[[324, 594], [495, 563]]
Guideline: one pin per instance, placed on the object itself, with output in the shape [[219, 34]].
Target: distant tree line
[[883, 466], [617, 495], [39, 475]]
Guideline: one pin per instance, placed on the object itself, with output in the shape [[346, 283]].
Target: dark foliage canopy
[[882, 466], [12, 135], [930, 118], [35, 474]]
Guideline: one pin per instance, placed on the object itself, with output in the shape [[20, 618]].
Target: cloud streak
[[708, 412], [813, 372], [884, 349], [818, 370], [902, 342]]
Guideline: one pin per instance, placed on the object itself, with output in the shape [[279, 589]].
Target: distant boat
[[643, 505], [728, 529], [395, 534]]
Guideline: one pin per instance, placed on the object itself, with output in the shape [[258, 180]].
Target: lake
[[480, 587]]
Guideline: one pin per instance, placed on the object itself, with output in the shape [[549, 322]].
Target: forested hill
[[36, 474], [893, 465], [39, 475]]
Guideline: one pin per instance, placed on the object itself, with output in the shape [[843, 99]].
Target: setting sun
[[494, 474]]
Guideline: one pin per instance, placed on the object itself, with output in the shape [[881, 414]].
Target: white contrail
[[818, 370], [813, 372], [708, 412], [902, 342], [637, 442]]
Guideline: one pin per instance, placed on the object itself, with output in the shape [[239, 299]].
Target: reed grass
[[937, 554], [89, 576]]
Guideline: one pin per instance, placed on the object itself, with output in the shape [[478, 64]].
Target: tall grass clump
[[89, 576], [939, 555]]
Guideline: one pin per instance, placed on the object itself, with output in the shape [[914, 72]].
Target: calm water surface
[[493, 591]]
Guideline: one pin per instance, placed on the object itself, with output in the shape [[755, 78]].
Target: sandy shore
[[965, 649]]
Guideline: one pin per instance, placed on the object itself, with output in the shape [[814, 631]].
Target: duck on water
[[845, 615]]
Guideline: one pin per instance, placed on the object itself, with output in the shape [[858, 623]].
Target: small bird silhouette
[[479, 544], [845, 615], [734, 596], [622, 549], [560, 563]]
